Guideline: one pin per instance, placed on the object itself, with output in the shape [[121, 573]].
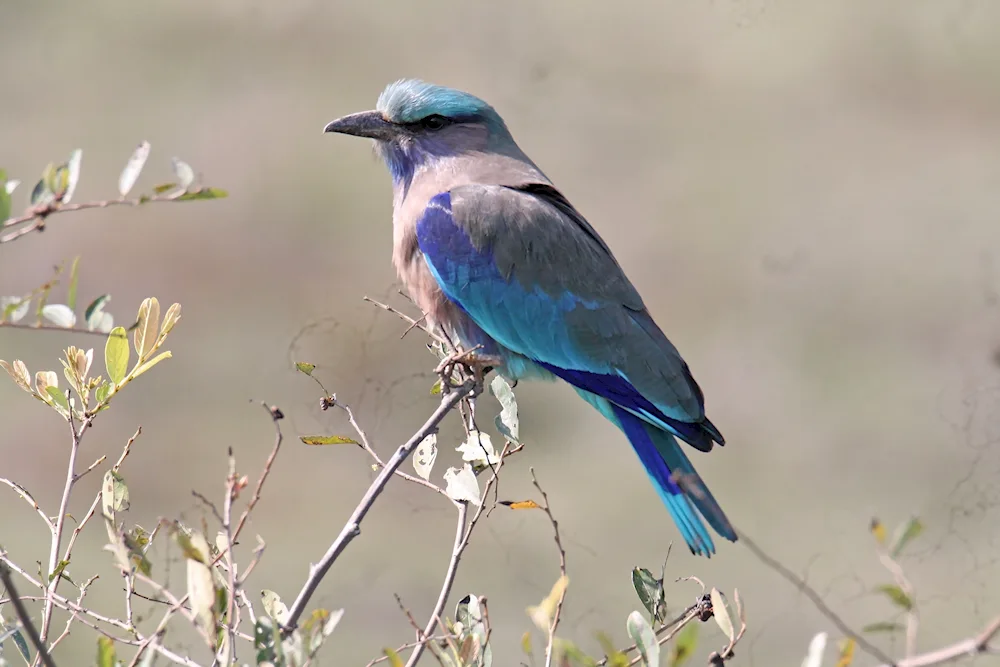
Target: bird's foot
[[474, 361]]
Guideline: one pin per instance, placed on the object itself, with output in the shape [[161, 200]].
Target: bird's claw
[[478, 364]]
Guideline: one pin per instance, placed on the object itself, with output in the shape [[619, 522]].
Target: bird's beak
[[370, 124]]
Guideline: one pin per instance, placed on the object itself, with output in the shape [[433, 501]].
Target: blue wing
[[537, 279]]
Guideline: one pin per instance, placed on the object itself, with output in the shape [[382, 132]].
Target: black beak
[[370, 124]]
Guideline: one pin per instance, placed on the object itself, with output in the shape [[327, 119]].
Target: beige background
[[806, 193]]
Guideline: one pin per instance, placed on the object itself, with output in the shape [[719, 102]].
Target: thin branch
[[73, 615], [276, 416], [97, 499], [966, 648], [550, 645], [227, 513], [77, 435], [21, 491], [37, 326], [353, 526], [37, 216], [665, 632], [24, 617], [458, 550], [816, 599], [912, 616], [366, 445], [414, 324], [449, 579]]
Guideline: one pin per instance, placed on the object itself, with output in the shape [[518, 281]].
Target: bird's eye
[[434, 122]]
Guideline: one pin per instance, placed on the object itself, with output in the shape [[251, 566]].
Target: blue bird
[[497, 257]]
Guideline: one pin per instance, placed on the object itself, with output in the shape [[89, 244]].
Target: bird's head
[[416, 121]]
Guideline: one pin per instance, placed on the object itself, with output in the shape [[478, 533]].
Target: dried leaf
[[60, 315], [19, 372], [72, 175], [116, 355], [521, 504], [114, 494], [44, 380], [721, 614], [814, 658], [328, 440], [846, 656], [640, 632], [201, 588], [14, 308], [542, 614], [273, 606], [478, 449], [877, 530], [133, 168], [462, 485], [425, 455], [183, 172], [148, 327], [507, 421]]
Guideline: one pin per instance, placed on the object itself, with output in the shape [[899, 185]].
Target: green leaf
[[684, 645], [305, 367], [58, 397], [5, 204], [640, 632], [203, 193], [60, 567], [152, 362], [436, 388], [896, 595], [507, 421], [906, 534], [328, 440], [883, 626], [22, 646], [614, 657], [164, 187], [73, 278], [103, 391], [116, 354], [41, 195], [106, 652], [14, 308], [651, 593], [469, 612], [394, 659], [133, 168]]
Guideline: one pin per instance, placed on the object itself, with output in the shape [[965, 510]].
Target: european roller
[[499, 260]]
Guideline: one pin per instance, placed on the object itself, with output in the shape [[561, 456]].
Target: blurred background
[[806, 194]]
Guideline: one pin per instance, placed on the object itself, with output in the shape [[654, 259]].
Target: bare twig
[[28, 498], [73, 615], [97, 498], [457, 552], [77, 435], [449, 579], [39, 326], [550, 645], [24, 617], [412, 322], [276, 416], [912, 615], [353, 526], [36, 217], [971, 647], [232, 481], [815, 598]]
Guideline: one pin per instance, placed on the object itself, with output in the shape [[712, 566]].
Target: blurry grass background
[[806, 194]]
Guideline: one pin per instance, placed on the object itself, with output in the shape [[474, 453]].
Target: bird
[[498, 258]]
